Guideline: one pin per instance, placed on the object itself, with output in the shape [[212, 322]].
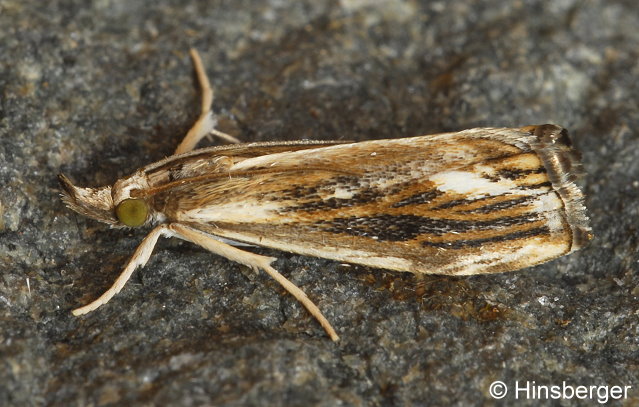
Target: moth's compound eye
[[132, 212]]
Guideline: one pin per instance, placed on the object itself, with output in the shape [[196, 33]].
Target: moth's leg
[[139, 258], [205, 123], [255, 261]]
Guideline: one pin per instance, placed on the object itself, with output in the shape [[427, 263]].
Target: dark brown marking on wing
[[462, 244], [541, 185], [461, 202], [517, 173], [418, 199], [499, 206], [399, 228], [366, 196]]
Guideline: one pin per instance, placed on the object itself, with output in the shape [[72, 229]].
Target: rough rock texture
[[97, 89]]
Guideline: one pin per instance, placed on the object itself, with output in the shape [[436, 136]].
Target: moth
[[477, 201]]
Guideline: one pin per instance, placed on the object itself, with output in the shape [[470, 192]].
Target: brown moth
[[477, 201]]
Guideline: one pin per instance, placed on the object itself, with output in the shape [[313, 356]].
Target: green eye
[[131, 212]]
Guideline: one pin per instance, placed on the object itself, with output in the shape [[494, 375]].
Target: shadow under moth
[[478, 201]]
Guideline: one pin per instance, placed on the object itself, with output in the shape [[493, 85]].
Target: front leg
[[139, 258]]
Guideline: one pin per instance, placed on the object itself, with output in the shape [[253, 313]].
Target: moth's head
[[112, 205]]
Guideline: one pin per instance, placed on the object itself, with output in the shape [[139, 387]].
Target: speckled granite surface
[[96, 90]]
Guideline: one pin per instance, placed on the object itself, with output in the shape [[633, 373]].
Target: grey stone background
[[97, 89]]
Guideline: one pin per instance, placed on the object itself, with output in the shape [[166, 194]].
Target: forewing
[[477, 201]]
